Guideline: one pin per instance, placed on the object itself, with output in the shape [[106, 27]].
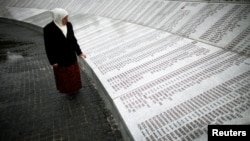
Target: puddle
[[12, 57], [11, 51]]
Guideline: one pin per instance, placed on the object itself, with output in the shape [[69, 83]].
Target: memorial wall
[[166, 69]]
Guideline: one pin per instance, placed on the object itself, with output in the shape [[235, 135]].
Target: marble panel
[[20, 13]]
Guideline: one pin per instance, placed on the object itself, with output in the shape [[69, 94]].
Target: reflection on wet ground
[[14, 48], [9, 50]]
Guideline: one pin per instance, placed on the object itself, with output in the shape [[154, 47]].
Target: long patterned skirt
[[68, 79]]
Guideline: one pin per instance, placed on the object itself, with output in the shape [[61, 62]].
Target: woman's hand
[[55, 65], [83, 56]]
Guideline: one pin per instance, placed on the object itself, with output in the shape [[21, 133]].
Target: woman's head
[[60, 16]]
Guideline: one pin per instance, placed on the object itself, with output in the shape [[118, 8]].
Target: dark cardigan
[[59, 49]]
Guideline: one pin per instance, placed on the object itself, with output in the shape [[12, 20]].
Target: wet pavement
[[30, 106]]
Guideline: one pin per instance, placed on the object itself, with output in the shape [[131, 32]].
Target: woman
[[61, 48]]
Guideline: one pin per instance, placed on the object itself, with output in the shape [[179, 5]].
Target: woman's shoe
[[71, 97]]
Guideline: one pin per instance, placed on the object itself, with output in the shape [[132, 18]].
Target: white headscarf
[[58, 15]]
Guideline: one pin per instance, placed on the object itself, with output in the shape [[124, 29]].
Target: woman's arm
[[49, 44]]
